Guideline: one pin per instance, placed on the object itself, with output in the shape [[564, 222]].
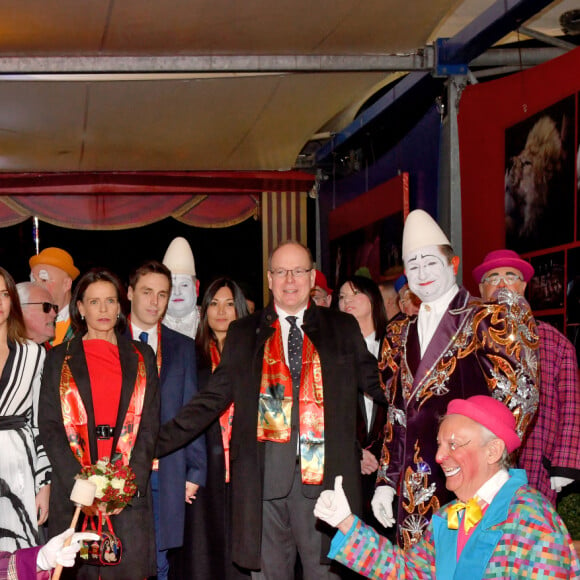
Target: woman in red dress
[[99, 398]]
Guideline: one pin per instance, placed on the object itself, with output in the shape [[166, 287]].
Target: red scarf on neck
[[275, 404], [227, 417]]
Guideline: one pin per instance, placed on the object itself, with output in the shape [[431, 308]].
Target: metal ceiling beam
[[516, 57], [420, 60], [497, 21], [123, 68], [549, 40]]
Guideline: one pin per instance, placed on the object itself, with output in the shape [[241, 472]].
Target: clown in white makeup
[[182, 311], [436, 356], [183, 295], [429, 273]]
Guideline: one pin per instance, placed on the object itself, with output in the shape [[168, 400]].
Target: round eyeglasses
[[508, 279]]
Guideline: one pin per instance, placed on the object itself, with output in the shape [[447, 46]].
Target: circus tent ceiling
[[115, 87]]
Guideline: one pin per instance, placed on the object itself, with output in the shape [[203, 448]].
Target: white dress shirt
[[492, 486], [152, 338], [285, 327], [63, 314], [430, 315], [373, 347]]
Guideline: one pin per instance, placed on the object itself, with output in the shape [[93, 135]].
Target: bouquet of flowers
[[115, 483]]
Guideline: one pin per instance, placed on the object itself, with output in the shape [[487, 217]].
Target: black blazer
[[134, 525], [346, 367]]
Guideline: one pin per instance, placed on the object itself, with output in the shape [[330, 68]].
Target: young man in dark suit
[[175, 478]]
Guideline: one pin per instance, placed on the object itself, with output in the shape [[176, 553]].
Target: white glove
[[332, 506], [382, 504], [557, 483], [55, 552]]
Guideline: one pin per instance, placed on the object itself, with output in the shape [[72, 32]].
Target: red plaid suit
[[552, 445]]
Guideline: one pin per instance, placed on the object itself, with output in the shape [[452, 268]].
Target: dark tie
[[143, 337], [294, 351]]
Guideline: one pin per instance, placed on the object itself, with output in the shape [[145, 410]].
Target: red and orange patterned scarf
[[227, 417], [76, 422], [275, 404]]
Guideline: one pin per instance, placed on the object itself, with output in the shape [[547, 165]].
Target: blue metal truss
[[453, 56]]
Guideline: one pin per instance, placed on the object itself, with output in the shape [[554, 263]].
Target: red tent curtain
[[121, 200], [115, 212]]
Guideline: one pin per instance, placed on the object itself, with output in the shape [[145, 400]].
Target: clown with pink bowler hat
[[498, 527]]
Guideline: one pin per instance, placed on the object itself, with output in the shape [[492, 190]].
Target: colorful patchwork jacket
[[519, 536]]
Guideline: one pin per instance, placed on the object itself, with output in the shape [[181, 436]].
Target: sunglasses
[[46, 306]]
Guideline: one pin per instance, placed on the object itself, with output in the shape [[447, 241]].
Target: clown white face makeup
[[429, 273], [183, 296]]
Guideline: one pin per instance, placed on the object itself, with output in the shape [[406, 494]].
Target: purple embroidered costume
[[21, 565], [477, 349]]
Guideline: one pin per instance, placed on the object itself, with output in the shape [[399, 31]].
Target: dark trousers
[[162, 562], [288, 530]]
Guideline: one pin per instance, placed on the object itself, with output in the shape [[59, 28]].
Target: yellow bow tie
[[473, 514]]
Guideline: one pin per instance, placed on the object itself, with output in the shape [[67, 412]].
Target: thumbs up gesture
[[332, 506]]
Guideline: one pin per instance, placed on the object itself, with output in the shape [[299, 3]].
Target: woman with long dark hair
[[24, 469], [100, 398], [222, 303], [206, 553], [362, 298]]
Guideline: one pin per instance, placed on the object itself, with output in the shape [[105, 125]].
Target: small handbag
[[107, 550]]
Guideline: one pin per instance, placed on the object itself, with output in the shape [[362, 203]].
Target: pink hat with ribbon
[[490, 413]]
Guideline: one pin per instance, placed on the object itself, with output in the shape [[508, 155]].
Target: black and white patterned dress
[[24, 466]]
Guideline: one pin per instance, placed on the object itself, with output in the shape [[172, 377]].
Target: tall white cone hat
[[179, 257], [420, 231]]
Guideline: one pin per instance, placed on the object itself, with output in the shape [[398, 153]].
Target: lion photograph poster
[[539, 179]]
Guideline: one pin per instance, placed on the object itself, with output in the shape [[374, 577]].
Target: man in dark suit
[[175, 478], [294, 386]]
